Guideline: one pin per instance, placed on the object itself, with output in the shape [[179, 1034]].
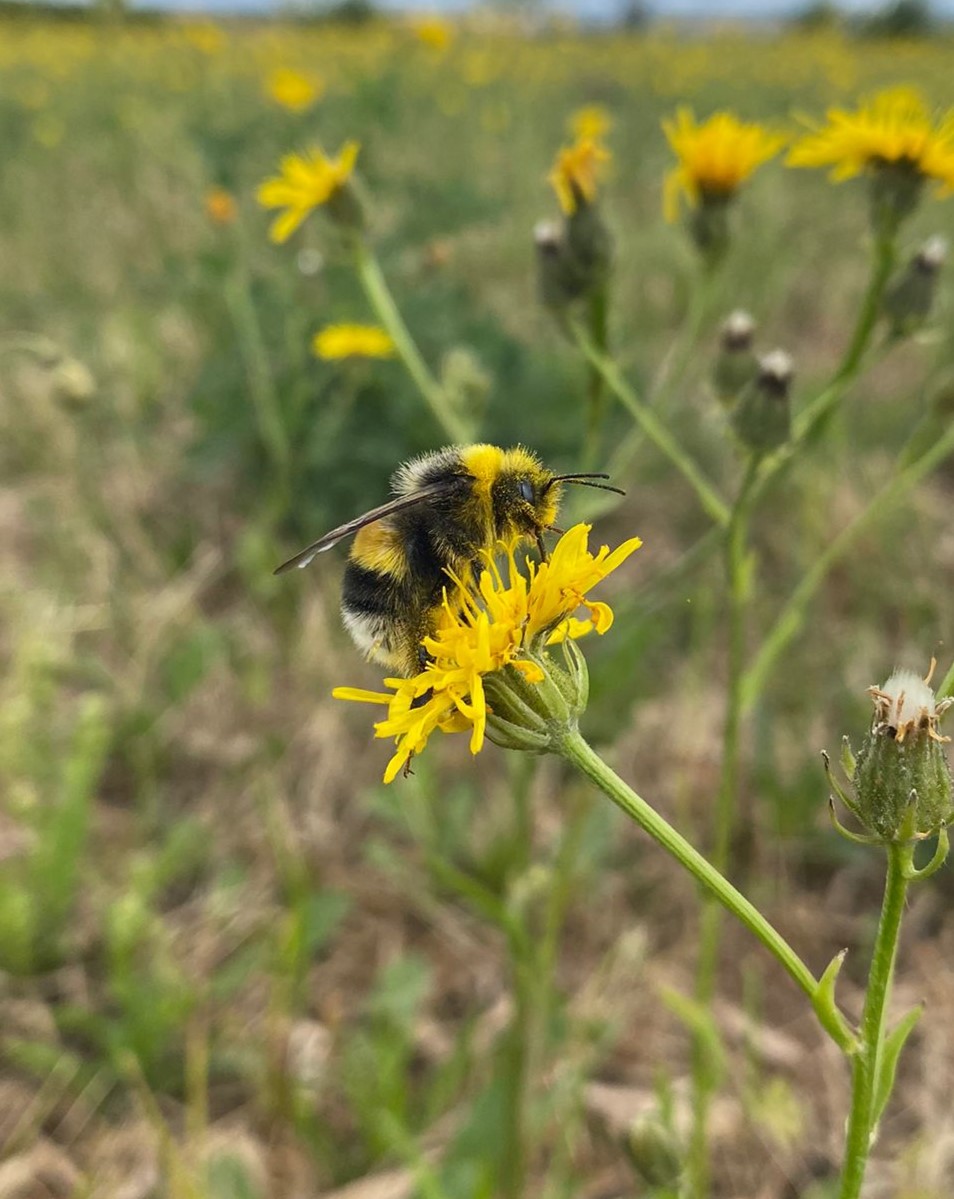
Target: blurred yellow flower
[[306, 182], [434, 32], [576, 172], [352, 341], [715, 157], [502, 623], [220, 206], [894, 126], [293, 89], [590, 123]]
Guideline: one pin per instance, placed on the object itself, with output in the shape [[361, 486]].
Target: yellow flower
[[715, 157], [590, 123], [306, 181], [352, 341], [220, 206], [576, 172], [293, 89], [892, 127], [502, 623], [434, 32]]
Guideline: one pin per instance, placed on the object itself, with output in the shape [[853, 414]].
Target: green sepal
[[842, 794], [856, 838], [888, 1060], [848, 763], [823, 1001], [914, 875]]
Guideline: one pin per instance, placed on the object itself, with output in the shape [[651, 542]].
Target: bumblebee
[[449, 509]]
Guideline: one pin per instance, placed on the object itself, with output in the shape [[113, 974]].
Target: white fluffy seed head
[[906, 704]]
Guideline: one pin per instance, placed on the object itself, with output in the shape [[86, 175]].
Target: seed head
[[903, 784], [762, 417]]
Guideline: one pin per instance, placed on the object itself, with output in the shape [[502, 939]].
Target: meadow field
[[234, 963]]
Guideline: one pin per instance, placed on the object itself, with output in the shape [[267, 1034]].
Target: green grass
[[214, 921]]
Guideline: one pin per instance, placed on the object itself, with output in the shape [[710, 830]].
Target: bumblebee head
[[524, 496]]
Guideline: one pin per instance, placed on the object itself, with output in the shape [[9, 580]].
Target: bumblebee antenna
[[599, 486], [584, 479]]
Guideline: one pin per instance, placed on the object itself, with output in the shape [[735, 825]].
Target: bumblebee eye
[[526, 491]]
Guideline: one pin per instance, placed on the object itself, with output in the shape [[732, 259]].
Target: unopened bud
[[590, 245], [736, 364], [911, 294], [903, 785], [655, 1152], [557, 283], [762, 416]]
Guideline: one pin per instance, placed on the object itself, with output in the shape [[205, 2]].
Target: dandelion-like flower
[[488, 670], [716, 157], [592, 122], [352, 341], [308, 181], [576, 173], [294, 90], [434, 33], [893, 139], [893, 127]]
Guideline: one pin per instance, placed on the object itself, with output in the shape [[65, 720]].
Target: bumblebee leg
[[542, 549]]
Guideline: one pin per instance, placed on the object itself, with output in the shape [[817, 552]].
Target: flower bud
[[903, 785], [910, 297], [655, 1152], [762, 416], [736, 365], [558, 283], [590, 245]]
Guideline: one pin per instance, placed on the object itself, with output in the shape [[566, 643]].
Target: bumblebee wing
[[421, 496]]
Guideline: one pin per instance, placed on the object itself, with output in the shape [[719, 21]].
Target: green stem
[[251, 347], [792, 616], [866, 1062], [534, 958], [381, 300], [654, 429], [882, 266], [704, 1075], [577, 751], [809, 422]]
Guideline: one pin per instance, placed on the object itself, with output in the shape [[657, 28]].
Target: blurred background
[[232, 963]]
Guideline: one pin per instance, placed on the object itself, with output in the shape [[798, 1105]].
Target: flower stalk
[[866, 1063], [382, 301], [653, 427], [580, 754]]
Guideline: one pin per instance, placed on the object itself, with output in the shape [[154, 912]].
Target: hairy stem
[[865, 1064], [577, 751], [792, 616], [653, 427], [382, 301], [704, 1078]]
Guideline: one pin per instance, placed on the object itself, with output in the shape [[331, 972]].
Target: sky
[[585, 9]]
